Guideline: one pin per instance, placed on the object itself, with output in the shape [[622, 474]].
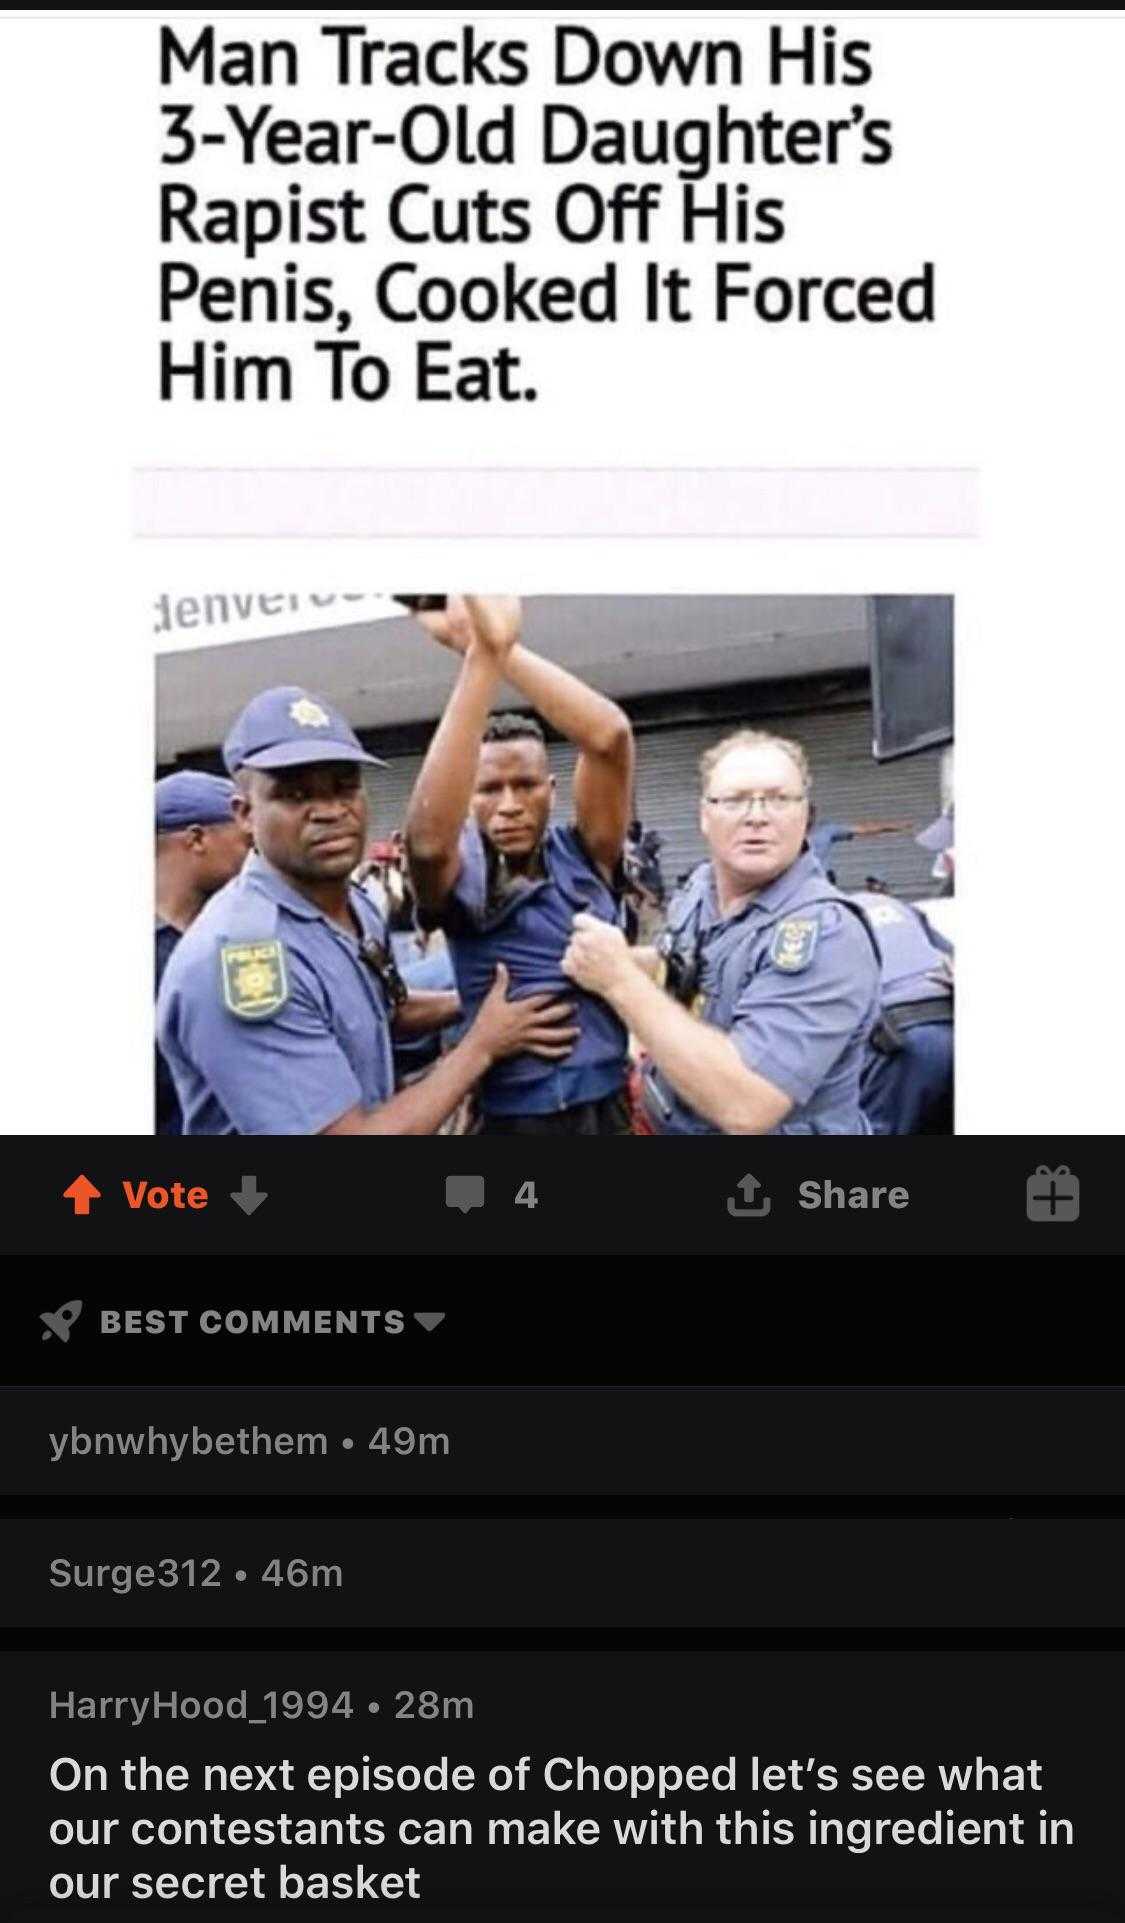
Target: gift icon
[[1052, 1195]]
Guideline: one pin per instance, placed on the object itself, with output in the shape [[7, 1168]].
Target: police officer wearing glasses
[[276, 1010], [771, 974]]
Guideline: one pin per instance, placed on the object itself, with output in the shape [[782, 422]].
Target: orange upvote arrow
[[82, 1192]]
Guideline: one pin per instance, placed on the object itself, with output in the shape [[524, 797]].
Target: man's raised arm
[[483, 632], [598, 728]]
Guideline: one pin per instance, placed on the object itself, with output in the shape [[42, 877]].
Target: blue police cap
[[289, 728], [191, 799]]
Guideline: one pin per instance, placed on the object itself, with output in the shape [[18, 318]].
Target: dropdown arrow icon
[[249, 1197]]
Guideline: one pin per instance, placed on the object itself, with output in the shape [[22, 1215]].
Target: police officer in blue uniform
[[276, 1009], [199, 848], [502, 881], [908, 1074], [773, 974]]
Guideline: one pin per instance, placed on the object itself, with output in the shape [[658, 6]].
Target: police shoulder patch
[[255, 979], [794, 944]]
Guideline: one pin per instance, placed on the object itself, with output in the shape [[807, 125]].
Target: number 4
[[527, 1198]]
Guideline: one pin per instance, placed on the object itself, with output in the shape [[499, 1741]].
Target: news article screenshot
[[590, 866], [743, 391], [513, 1609]]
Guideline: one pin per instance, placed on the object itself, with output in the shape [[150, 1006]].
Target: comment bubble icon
[[464, 1192]]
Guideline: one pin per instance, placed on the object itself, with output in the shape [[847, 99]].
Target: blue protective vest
[[716, 960], [529, 931]]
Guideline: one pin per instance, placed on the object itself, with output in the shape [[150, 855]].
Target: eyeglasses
[[772, 805]]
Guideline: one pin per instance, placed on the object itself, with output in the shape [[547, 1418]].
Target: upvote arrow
[[82, 1192], [249, 1197]]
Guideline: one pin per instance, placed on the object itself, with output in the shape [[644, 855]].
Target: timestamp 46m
[[190, 1572]]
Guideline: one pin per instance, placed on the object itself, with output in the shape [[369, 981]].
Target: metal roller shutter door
[[850, 786]]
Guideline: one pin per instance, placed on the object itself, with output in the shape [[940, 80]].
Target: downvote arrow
[[249, 1197]]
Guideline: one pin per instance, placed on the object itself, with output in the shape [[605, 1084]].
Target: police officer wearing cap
[[503, 880], [772, 975], [199, 848], [276, 1009]]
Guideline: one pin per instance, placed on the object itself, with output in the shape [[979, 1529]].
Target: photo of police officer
[[278, 1008], [774, 973], [502, 881]]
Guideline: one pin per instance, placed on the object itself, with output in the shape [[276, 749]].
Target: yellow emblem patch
[[255, 983], [307, 714], [794, 945]]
